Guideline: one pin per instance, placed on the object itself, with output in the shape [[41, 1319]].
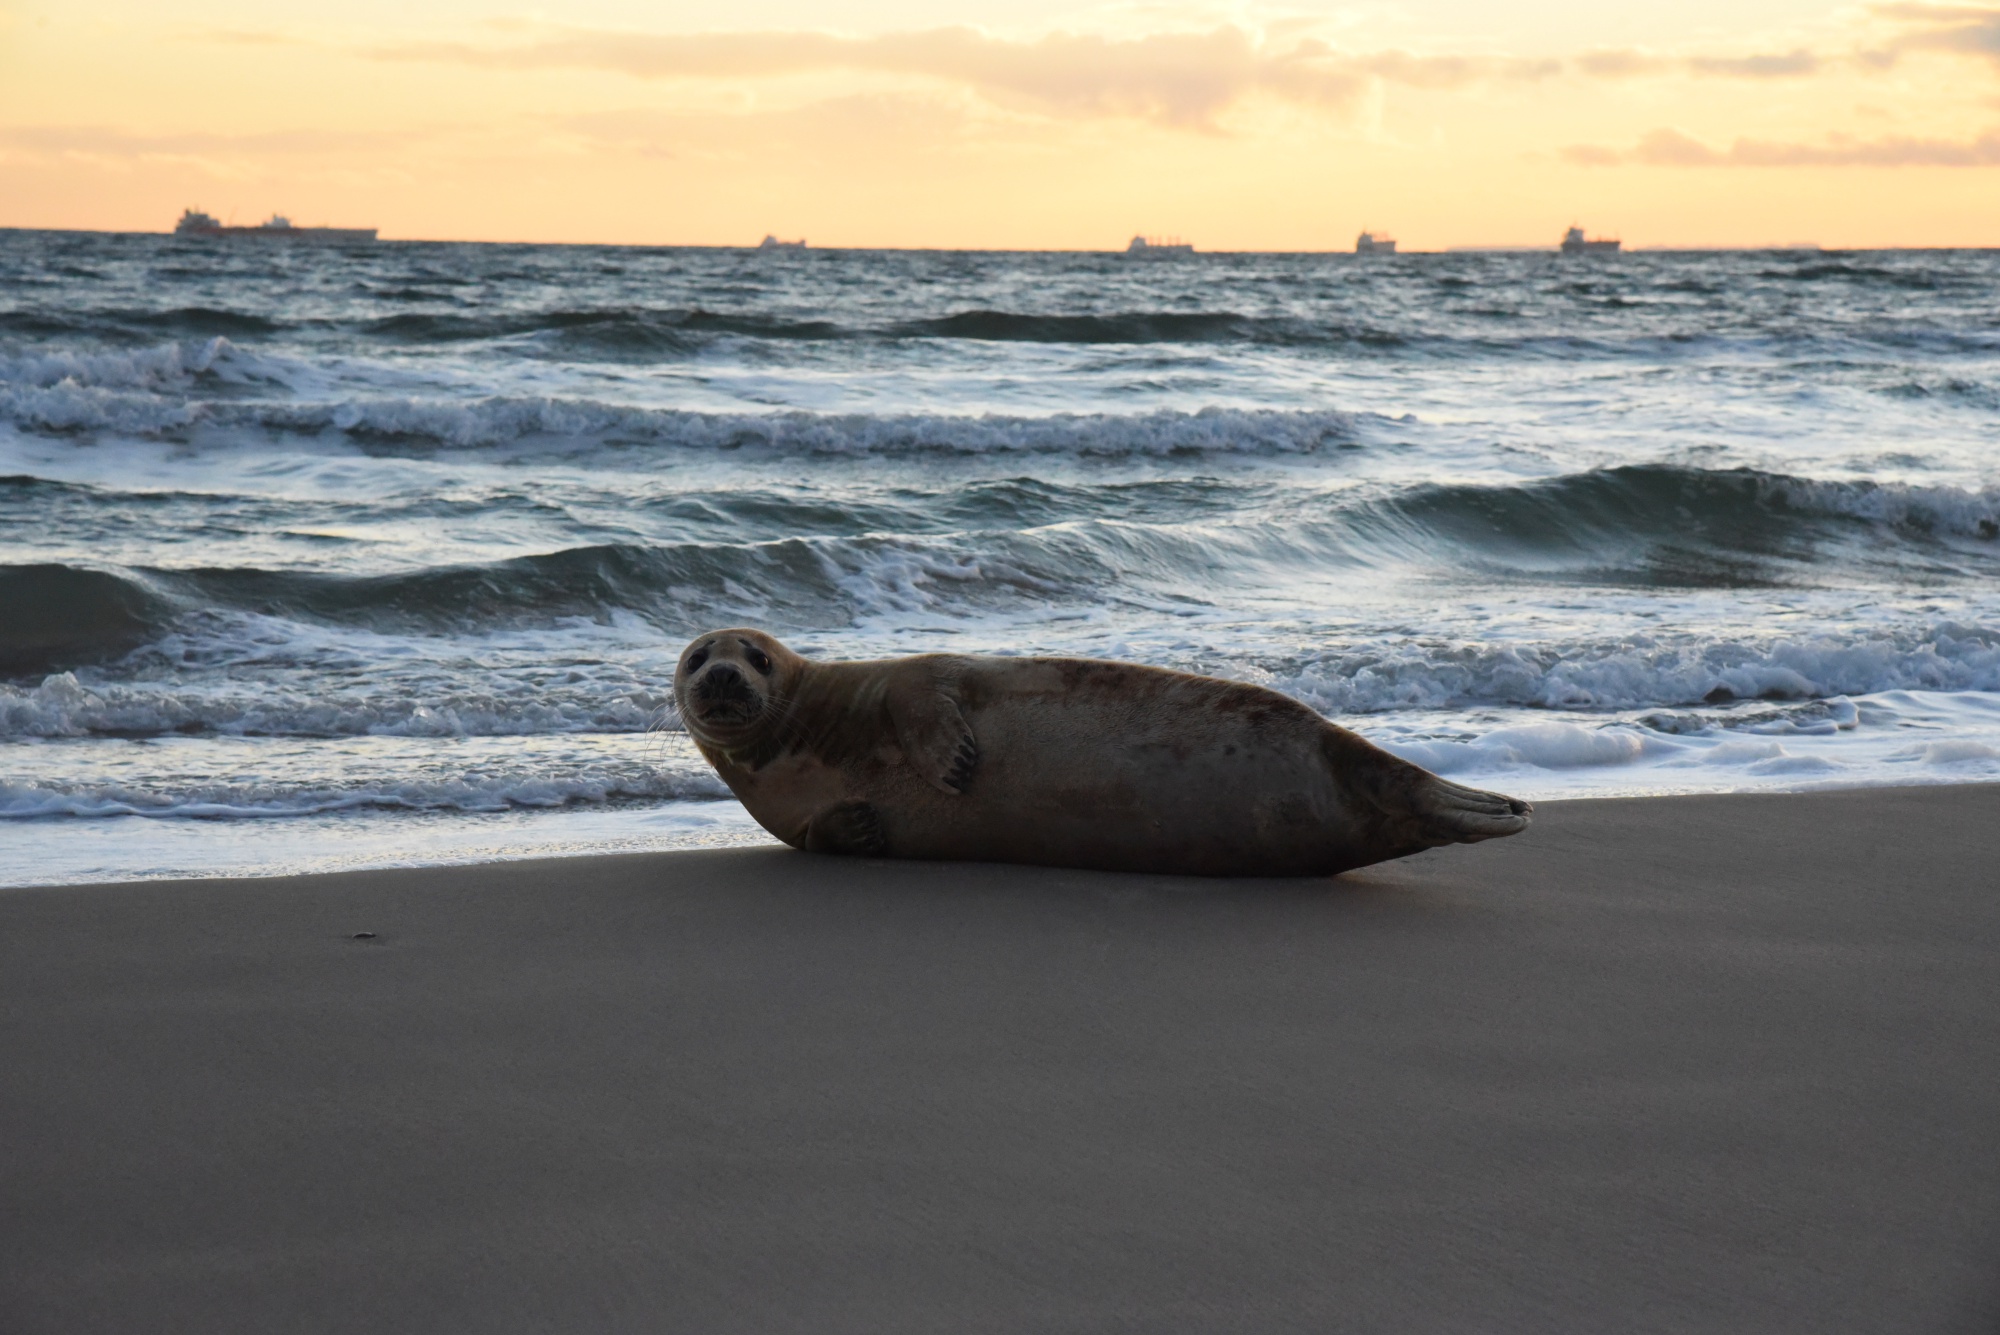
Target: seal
[[1066, 762]]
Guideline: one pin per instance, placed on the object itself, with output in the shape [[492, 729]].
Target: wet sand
[[1695, 1064]]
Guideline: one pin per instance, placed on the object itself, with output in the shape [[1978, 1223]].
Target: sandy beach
[[1688, 1064]]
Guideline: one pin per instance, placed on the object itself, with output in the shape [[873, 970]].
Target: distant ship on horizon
[[1162, 246], [1574, 242], [771, 242], [279, 228], [1370, 244]]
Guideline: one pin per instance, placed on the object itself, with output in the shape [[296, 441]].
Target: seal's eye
[[697, 658], [759, 660]]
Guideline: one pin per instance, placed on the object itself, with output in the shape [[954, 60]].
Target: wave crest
[[52, 615], [211, 801], [71, 404], [61, 705], [1642, 674]]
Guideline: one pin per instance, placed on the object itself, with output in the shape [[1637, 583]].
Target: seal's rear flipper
[[1417, 809], [1451, 813]]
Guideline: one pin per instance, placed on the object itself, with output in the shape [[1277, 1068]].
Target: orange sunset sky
[[976, 124]]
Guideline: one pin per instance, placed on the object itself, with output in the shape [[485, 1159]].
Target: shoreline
[[704, 834], [1717, 1062]]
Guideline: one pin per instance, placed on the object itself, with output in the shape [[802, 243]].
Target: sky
[[970, 123]]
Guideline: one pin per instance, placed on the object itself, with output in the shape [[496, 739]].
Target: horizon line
[[1551, 248]]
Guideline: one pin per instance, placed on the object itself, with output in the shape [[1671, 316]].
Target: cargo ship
[[1370, 244], [1161, 247], [771, 242], [196, 223], [1574, 242]]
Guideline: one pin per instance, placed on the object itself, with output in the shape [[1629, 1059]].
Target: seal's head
[[730, 682]]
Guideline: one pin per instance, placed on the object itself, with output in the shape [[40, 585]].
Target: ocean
[[342, 556]]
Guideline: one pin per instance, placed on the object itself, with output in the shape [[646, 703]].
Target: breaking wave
[[1502, 326], [1736, 509], [54, 613], [213, 801], [174, 390], [61, 705], [1652, 525], [1126, 327], [1628, 674], [1689, 673], [132, 324]]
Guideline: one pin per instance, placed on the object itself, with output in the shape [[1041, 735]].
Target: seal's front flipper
[[933, 732], [848, 827]]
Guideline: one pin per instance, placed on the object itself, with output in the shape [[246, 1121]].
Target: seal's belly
[[784, 796], [1092, 782]]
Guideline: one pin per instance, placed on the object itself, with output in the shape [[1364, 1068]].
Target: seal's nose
[[723, 677]]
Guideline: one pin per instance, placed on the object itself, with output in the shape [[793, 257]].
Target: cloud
[[1963, 29], [908, 123], [1621, 64], [1185, 80], [1614, 64], [1788, 66], [1592, 155], [1671, 148], [1178, 79], [1449, 72]]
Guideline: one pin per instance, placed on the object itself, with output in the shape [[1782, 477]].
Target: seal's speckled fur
[[1061, 761]]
